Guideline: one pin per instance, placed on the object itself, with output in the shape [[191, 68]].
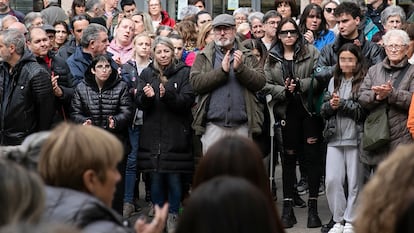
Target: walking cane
[[270, 105]]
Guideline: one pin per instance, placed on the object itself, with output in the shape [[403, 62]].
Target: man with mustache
[[6, 10], [226, 76]]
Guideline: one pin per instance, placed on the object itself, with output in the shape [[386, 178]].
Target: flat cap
[[223, 20]]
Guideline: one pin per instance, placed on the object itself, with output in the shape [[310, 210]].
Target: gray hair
[[270, 14], [14, 37], [90, 4], [91, 33], [255, 15], [392, 11], [167, 42], [28, 19], [243, 10], [8, 18], [189, 10], [396, 33]]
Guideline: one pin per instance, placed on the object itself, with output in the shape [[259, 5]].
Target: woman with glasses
[[314, 28], [328, 12], [288, 69], [387, 83], [165, 96], [102, 99]]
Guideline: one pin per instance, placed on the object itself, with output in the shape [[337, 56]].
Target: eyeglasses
[[226, 30], [103, 67], [397, 47], [330, 10], [292, 33]]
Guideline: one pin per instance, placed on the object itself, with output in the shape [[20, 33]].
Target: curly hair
[[385, 197]]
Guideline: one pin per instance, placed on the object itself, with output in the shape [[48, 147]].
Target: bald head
[[18, 26]]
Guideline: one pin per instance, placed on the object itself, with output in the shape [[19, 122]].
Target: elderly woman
[[256, 25], [387, 84], [393, 17]]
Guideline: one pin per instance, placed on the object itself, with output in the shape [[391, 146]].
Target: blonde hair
[[73, 149], [203, 34], [22, 195], [167, 42], [384, 198]]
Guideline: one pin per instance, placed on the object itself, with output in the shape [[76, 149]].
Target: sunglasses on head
[[330, 10]]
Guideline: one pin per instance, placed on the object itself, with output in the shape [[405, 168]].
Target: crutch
[[270, 105]]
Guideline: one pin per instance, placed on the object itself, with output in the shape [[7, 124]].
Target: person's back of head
[[384, 198], [71, 150], [21, 194], [234, 156], [243, 209]]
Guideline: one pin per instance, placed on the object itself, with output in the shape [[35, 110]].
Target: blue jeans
[[131, 166], [171, 181]]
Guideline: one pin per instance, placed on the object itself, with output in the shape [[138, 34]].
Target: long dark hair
[[243, 209], [323, 27], [299, 44], [236, 156], [360, 69]]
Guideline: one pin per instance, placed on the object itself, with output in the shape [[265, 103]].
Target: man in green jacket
[[226, 76]]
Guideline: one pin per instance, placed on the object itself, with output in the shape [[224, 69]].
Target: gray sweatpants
[[343, 162]]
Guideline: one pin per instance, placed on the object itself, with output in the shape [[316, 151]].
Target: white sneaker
[[172, 222], [348, 228], [337, 228]]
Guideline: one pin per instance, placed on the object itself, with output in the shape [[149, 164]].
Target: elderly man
[[226, 76], [270, 21], [94, 42], [26, 91]]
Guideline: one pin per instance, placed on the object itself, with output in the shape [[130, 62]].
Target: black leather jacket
[[27, 104], [329, 57], [65, 82]]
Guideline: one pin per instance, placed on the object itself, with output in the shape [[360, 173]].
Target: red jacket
[[166, 20]]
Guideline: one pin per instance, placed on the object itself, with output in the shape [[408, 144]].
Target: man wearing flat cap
[[226, 76]]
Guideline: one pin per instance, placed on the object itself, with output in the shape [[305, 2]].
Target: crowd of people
[[129, 94]]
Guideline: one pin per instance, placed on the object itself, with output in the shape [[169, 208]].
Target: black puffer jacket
[[329, 56], [29, 100], [81, 210], [165, 137], [113, 100], [65, 82]]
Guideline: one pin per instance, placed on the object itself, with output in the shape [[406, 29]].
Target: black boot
[[288, 216], [313, 218], [298, 201]]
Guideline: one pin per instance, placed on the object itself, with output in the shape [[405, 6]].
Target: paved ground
[[301, 213]]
